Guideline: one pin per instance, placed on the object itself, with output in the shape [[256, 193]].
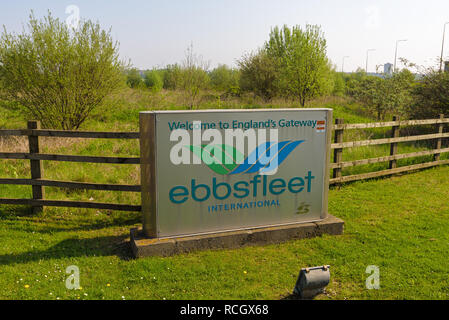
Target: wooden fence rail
[[396, 124], [37, 181], [33, 132], [70, 134], [58, 157]]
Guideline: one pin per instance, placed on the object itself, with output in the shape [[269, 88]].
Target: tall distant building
[[388, 69]]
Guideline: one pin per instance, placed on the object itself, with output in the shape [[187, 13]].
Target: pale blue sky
[[155, 33]]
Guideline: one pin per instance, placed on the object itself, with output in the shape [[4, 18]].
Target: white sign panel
[[212, 171]]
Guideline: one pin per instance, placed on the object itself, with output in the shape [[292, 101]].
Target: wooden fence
[[37, 181], [338, 146]]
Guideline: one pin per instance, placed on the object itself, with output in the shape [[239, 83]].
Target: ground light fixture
[[312, 281]]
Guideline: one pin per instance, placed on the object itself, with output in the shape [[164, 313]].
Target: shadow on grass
[[14, 210], [386, 177], [50, 225], [89, 226], [71, 248]]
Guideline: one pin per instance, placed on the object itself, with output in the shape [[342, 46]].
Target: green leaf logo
[[220, 158]]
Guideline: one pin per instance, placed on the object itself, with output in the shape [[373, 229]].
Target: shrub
[[224, 79], [339, 87], [258, 74], [193, 76], [59, 75], [172, 77], [134, 79], [385, 95], [431, 96], [153, 80]]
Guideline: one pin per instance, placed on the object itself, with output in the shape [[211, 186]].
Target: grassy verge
[[392, 223]]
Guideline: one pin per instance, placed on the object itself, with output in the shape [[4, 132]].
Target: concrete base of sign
[[145, 247]]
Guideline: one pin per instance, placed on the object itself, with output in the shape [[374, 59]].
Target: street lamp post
[[396, 53], [367, 52], [442, 46], [343, 64]]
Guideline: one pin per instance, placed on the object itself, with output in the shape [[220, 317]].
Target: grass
[[392, 223]]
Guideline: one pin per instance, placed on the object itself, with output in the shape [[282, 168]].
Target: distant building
[[388, 69], [446, 66]]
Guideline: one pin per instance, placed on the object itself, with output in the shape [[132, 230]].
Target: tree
[[193, 76], [301, 59], [59, 75], [258, 74]]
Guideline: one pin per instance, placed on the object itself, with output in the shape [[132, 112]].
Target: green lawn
[[399, 224]]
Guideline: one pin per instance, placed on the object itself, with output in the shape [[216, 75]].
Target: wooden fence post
[[338, 152], [440, 126], [37, 171], [394, 146]]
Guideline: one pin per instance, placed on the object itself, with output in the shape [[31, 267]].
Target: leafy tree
[[301, 59], [258, 74], [59, 75]]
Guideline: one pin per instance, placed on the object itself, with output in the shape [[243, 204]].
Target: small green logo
[[303, 208]]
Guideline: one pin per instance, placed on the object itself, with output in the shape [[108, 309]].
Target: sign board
[[223, 170]]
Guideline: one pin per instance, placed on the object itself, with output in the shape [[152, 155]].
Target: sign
[[224, 170]]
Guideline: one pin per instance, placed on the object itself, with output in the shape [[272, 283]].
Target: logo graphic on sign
[[227, 160]]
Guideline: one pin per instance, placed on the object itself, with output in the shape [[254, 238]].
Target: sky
[[157, 33]]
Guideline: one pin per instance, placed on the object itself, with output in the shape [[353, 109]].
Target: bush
[[224, 79], [57, 74], [339, 87], [258, 74], [431, 96], [391, 94], [172, 77], [153, 80], [134, 79], [193, 76]]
